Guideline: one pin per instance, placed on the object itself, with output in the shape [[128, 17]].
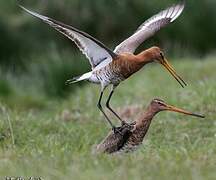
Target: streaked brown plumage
[[132, 136], [112, 67]]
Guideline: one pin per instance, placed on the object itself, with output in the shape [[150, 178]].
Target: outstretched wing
[[94, 50], [150, 27]]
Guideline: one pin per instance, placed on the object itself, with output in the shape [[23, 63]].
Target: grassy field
[[53, 139]]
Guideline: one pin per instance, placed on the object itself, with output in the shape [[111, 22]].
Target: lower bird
[[112, 67], [132, 136]]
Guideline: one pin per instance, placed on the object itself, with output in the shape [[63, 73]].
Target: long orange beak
[[172, 71], [175, 109]]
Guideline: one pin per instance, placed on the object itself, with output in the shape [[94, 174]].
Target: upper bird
[[112, 67]]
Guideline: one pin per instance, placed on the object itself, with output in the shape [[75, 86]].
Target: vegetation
[[48, 129], [54, 138]]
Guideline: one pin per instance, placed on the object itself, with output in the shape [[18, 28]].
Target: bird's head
[[158, 105], [155, 54]]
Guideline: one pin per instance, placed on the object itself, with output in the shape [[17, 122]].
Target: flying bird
[[112, 67], [132, 136]]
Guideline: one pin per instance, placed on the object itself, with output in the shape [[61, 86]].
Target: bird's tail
[[85, 76]]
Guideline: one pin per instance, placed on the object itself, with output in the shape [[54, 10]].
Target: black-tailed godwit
[[112, 67], [132, 136]]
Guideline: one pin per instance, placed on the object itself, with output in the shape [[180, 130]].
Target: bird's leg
[[101, 109], [108, 106]]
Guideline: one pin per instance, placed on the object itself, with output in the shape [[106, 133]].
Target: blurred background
[[34, 58], [48, 129]]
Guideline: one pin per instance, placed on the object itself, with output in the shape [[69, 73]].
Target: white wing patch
[[94, 50], [150, 27]]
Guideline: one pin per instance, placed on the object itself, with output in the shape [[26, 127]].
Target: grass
[[54, 138]]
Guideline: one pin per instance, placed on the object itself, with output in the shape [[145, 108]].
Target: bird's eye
[[161, 54], [161, 104]]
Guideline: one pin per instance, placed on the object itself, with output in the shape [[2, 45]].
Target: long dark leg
[[108, 106], [101, 109]]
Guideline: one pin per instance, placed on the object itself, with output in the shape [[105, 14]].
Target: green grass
[[53, 139]]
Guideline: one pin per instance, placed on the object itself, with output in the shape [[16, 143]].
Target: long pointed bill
[[172, 71], [175, 109]]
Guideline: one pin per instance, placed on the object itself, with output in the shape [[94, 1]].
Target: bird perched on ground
[[132, 136], [112, 67]]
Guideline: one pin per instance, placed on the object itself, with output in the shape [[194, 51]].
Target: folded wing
[[149, 28], [95, 51]]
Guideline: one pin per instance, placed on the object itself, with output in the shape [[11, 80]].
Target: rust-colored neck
[[146, 56]]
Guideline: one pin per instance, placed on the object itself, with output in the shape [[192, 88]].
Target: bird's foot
[[116, 130], [123, 123], [130, 126]]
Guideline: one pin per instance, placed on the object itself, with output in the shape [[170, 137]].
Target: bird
[[111, 67], [132, 136]]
